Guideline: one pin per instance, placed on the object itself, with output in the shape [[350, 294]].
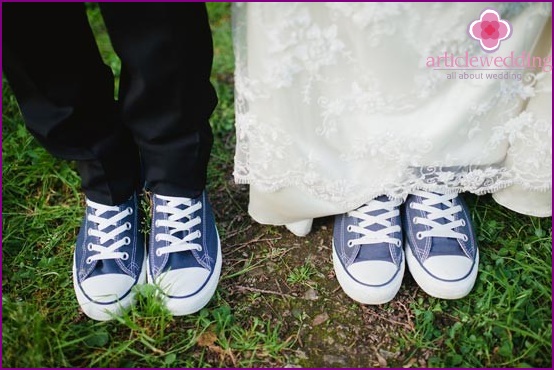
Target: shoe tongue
[[187, 258], [445, 246], [381, 251], [377, 212], [108, 265], [382, 198], [107, 215], [377, 252], [103, 267], [187, 218]]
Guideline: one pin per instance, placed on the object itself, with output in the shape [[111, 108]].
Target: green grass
[[301, 274], [258, 317]]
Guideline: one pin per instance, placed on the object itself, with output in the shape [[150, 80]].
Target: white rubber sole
[[190, 305], [105, 312], [363, 293], [439, 288]]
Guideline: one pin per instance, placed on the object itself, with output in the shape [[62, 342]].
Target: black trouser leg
[[65, 93], [165, 94]]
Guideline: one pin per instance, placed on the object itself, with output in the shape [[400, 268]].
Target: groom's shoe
[[185, 252], [109, 259], [441, 248], [367, 251]]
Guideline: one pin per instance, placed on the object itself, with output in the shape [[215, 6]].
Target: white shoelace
[[429, 205], [379, 236], [107, 251], [175, 225]]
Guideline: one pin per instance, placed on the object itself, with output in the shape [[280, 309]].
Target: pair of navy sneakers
[[182, 258], [430, 232]]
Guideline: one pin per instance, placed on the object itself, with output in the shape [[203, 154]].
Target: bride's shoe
[[441, 247], [300, 228], [367, 251]]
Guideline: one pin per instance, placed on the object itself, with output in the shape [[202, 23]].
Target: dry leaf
[[381, 359], [320, 319], [207, 339]]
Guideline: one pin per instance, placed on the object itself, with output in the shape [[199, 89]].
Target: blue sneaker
[[109, 259], [441, 248], [367, 251], [185, 252]]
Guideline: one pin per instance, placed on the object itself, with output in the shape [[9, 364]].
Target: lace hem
[[478, 181], [527, 163]]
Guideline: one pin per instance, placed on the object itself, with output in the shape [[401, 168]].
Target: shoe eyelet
[[419, 235], [89, 247], [414, 220], [398, 243], [158, 253], [465, 238], [349, 228], [127, 240], [89, 230], [157, 223], [157, 238], [350, 244], [128, 225], [89, 261], [125, 256], [411, 205], [129, 210], [463, 222], [198, 234]]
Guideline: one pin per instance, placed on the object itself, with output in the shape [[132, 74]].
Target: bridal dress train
[[337, 103]]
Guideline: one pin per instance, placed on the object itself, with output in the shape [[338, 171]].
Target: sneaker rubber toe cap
[[373, 272], [183, 282], [449, 268], [107, 288]]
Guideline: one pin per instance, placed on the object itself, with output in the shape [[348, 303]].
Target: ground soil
[[327, 327]]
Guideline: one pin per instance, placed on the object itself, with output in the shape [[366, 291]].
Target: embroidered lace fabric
[[335, 106]]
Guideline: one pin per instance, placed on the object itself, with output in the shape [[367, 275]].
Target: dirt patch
[[289, 281]]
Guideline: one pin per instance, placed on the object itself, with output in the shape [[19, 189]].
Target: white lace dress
[[335, 105]]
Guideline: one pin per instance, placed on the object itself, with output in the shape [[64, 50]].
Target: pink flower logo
[[489, 29]]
